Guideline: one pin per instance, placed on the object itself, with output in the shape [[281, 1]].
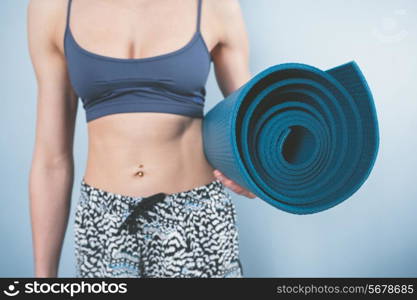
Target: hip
[[208, 201]]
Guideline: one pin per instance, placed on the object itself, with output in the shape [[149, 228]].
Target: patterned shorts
[[187, 234]]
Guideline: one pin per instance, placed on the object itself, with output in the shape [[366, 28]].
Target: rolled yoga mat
[[300, 138]]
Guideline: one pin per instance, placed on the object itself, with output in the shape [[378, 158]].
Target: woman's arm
[[231, 54], [231, 62], [51, 173]]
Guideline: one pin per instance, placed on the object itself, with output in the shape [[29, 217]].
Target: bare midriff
[[140, 154]]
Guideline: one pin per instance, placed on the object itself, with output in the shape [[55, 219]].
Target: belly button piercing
[[140, 173]]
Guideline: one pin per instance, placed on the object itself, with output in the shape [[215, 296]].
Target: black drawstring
[[138, 209]]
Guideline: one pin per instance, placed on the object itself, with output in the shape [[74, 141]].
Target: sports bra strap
[[68, 13], [198, 15]]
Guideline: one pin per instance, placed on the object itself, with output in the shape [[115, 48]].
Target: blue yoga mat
[[300, 138]]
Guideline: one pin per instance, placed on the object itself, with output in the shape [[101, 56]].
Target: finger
[[226, 181], [218, 172], [233, 185], [241, 190], [238, 191], [249, 194], [230, 183], [220, 176]]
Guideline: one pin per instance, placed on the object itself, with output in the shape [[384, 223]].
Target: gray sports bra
[[169, 83]]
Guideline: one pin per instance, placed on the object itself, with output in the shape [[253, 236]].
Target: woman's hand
[[233, 185]]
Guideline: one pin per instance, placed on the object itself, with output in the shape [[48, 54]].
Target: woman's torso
[[166, 147]]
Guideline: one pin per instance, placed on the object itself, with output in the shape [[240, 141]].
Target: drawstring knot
[[139, 208]]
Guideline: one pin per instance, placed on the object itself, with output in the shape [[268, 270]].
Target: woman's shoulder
[[47, 8], [224, 7], [226, 12]]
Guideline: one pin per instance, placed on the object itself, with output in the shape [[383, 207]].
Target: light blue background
[[371, 234]]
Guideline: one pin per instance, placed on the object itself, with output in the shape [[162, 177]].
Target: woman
[[150, 205]]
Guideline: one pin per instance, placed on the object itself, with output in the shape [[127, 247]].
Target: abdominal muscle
[[166, 148]]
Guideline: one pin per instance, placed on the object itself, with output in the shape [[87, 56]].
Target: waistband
[[130, 207], [203, 191], [201, 195]]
